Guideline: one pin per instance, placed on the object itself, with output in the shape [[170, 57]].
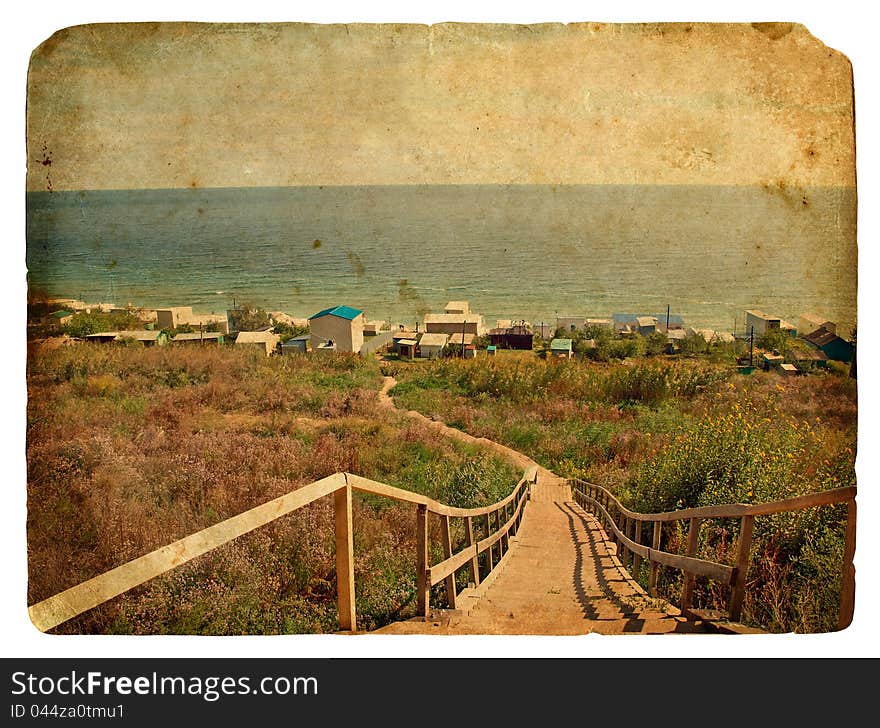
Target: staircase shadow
[[587, 553]]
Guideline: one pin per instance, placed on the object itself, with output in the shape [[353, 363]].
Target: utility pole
[[751, 344], [463, 325], [667, 318]]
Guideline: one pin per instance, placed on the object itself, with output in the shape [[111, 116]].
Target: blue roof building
[[345, 312]]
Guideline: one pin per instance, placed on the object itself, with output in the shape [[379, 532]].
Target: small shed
[[512, 337], [806, 359], [490, 350], [406, 348], [788, 369], [59, 317], [265, 340], [646, 325], [560, 348], [214, 338], [296, 345], [460, 307], [432, 345], [402, 335], [832, 345]]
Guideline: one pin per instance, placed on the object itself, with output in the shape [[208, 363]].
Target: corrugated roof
[[646, 320], [821, 337], [408, 342], [345, 312], [810, 355]]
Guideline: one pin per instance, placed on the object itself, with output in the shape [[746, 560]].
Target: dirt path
[[562, 577]]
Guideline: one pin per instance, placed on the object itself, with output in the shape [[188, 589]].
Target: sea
[[532, 252]]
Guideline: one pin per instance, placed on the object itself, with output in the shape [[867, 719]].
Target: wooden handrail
[[603, 503], [55, 610]]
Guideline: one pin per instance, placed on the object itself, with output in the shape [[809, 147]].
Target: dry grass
[[129, 449]]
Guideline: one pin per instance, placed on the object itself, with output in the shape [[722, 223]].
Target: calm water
[[512, 251]]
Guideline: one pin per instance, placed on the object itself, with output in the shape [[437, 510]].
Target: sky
[[163, 105]]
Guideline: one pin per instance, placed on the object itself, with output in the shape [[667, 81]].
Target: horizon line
[[765, 185]]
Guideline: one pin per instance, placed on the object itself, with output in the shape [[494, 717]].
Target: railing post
[[655, 545], [344, 559], [489, 550], [475, 562], [637, 560], [848, 584], [687, 587], [423, 585], [621, 549], [742, 567], [447, 553]]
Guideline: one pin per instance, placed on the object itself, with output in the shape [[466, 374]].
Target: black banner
[[175, 691]]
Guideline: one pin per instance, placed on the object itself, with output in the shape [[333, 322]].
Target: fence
[[625, 528], [495, 541]]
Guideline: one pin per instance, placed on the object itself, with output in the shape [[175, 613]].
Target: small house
[[762, 323], [171, 318], [560, 348], [832, 345], [513, 337], [59, 318], [266, 341], [810, 322], [296, 345], [400, 336], [431, 345], [772, 361], [339, 327], [454, 323]]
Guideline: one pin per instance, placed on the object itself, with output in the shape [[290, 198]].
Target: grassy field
[[665, 434], [129, 449]]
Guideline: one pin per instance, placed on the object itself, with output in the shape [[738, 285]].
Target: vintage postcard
[[449, 329]]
